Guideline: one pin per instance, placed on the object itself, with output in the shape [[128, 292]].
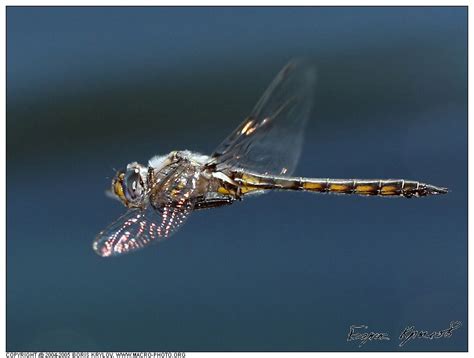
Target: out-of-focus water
[[90, 89]]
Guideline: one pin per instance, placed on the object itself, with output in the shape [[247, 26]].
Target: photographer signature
[[360, 333]]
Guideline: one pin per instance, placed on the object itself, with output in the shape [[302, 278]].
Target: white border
[[206, 3], [232, 3], [3, 177]]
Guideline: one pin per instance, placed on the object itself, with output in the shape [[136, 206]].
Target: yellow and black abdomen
[[379, 187]]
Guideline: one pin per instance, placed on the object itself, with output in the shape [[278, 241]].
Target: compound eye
[[133, 186]]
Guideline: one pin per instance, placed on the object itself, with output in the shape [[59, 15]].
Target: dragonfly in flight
[[258, 156]]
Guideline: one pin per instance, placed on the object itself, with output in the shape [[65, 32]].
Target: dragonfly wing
[[173, 216], [139, 228], [269, 141], [173, 197]]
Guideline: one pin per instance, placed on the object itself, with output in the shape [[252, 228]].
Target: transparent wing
[[139, 228], [171, 202], [269, 141], [173, 196]]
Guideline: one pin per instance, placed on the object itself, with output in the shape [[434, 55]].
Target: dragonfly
[[260, 155]]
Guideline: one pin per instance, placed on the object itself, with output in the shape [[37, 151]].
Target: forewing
[[139, 228], [269, 141], [173, 198]]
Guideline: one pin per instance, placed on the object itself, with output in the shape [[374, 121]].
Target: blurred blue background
[[91, 89]]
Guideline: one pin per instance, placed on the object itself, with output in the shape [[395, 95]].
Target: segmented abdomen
[[380, 187]]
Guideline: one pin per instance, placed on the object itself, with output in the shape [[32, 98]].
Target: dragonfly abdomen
[[379, 187]]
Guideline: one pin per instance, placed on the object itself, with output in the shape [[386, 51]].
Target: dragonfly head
[[130, 185]]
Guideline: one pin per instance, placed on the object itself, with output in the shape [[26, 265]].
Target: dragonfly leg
[[208, 203]]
